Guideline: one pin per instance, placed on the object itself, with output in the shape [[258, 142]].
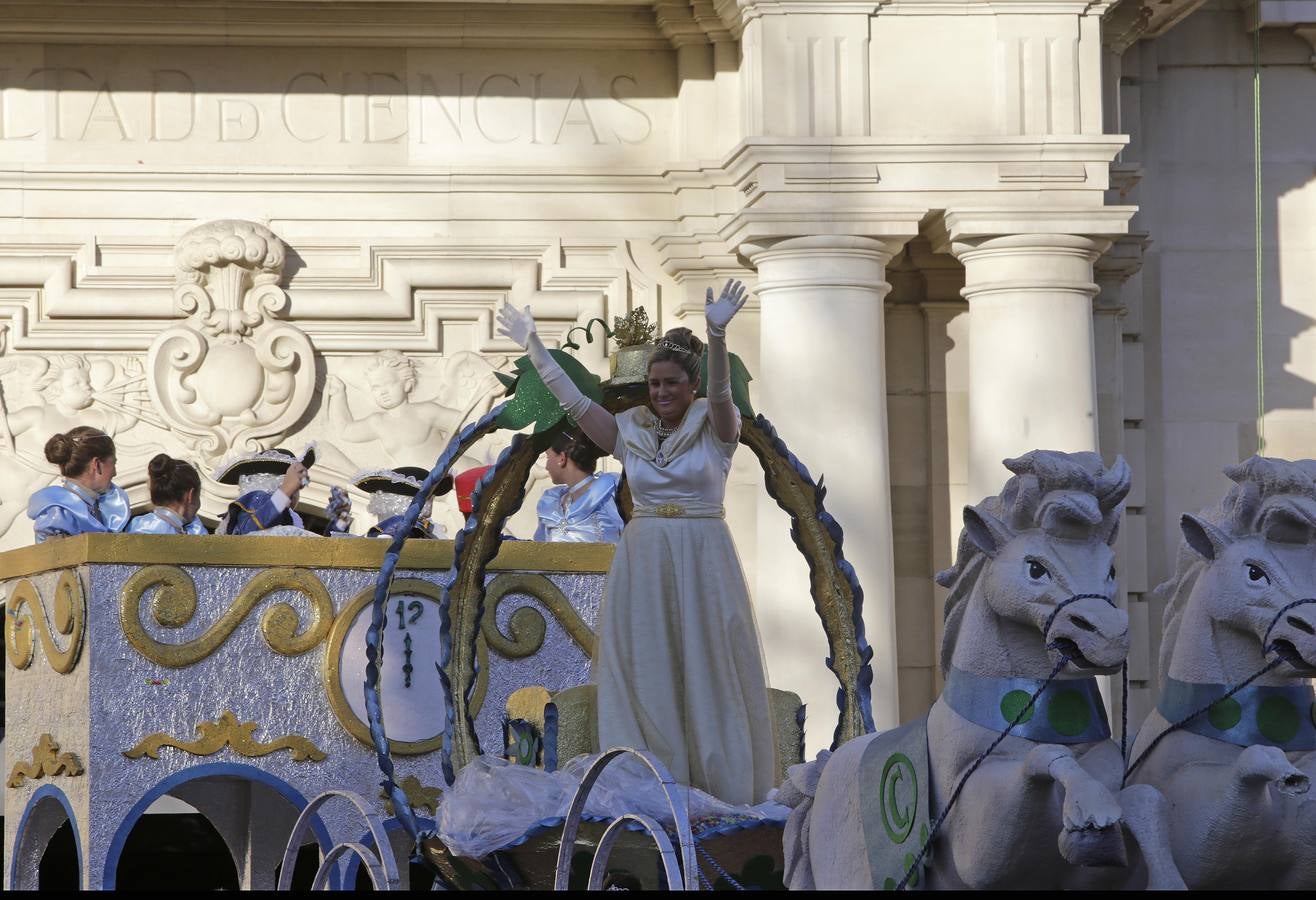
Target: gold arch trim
[[332, 669], [227, 731], [68, 617], [174, 605]]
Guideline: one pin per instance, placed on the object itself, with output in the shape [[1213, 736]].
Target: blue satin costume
[[164, 521], [389, 528], [69, 508], [255, 511], [591, 518]]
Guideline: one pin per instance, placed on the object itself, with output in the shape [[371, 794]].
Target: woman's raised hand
[[516, 324], [718, 313]]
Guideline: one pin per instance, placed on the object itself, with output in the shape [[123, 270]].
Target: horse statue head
[[1245, 580], [1034, 575]]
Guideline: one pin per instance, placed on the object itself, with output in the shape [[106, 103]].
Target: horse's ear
[[987, 532], [1206, 540]]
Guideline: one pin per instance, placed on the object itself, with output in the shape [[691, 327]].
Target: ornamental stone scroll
[[231, 378]]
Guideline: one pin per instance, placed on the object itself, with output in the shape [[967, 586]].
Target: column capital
[[960, 230], [1118, 265], [821, 261], [822, 245], [763, 227], [1124, 259]]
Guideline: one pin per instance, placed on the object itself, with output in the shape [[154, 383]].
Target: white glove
[[718, 313], [516, 324]]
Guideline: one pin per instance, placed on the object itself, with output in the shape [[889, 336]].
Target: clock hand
[[406, 666]]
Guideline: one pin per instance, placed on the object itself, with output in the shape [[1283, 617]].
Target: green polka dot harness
[[1282, 716], [1069, 711]]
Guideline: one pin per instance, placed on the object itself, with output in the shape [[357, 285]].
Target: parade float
[[228, 672], [270, 682]]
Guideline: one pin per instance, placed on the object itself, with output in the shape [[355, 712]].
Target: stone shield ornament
[[233, 377]]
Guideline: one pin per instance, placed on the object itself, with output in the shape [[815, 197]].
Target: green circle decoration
[[1278, 719], [1012, 703], [1225, 714], [889, 884], [909, 864], [897, 818], [1069, 713]]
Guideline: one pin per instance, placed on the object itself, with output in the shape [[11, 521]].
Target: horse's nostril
[[1301, 625], [1082, 623]]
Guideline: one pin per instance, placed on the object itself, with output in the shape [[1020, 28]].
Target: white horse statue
[[1031, 597], [1242, 601]]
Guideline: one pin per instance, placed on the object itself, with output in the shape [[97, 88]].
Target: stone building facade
[[973, 227]]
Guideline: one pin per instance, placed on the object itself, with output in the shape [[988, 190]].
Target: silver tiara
[[666, 344]]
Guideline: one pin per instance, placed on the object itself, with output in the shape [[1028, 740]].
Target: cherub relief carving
[[73, 391], [64, 391], [412, 431]]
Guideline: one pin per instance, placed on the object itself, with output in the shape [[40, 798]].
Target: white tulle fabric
[[494, 804]]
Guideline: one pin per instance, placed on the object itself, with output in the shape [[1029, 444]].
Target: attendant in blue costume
[[88, 500], [176, 494], [391, 492], [581, 507], [269, 485]]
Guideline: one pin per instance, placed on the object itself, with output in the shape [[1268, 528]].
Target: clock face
[[409, 685]]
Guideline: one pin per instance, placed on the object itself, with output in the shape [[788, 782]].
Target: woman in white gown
[[679, 668]]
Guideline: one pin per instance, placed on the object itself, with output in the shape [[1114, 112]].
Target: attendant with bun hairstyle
[[176, 494], [581, 507], [88, 500]]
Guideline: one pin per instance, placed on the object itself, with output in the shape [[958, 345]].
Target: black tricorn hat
[[266, 462], [404, 480]]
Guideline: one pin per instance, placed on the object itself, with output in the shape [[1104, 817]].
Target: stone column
[[822, 384], [1031, 368]]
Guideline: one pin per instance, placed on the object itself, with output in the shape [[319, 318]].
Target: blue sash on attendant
[[1068, 712]]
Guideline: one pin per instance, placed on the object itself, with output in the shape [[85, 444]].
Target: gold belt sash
[[680, 511]]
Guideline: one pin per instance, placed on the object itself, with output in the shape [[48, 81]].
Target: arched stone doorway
[[250, 812], [46, 812]]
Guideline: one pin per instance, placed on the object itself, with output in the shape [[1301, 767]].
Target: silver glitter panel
[[559, 664], [115, 697]]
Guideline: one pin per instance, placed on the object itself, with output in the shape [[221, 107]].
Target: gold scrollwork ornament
[[175, 604], [68, 617], [226, 731], [47, 762], [527, 628], [422, 797]]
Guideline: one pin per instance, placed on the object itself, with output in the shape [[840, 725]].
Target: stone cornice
[[966, 224], [527, 23], [737, 13], [756, 225], [282, 179], [1082, 148]]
